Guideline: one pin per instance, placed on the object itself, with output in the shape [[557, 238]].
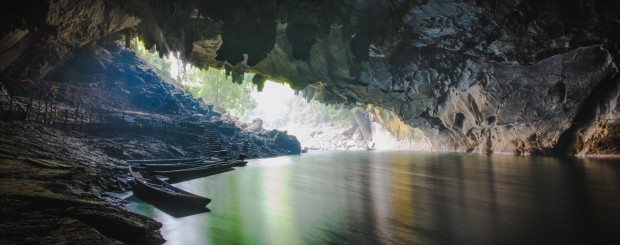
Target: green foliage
[[138, 123], [335, 113], [230, 89], [339, 115], [213, 86]]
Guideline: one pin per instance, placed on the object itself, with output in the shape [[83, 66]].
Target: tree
[[212, 85]]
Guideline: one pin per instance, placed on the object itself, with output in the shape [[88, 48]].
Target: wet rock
[[287, 142], [49, 205], [113, 151]]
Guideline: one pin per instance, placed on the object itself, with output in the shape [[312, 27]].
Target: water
[[403, 198]]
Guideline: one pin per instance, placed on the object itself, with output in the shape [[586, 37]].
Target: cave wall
[[485, 76], [38, 36]]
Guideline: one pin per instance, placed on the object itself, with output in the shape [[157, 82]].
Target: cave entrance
[[328, 127], [316, 125]]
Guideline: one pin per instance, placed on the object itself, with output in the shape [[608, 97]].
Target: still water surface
[[381, 197]]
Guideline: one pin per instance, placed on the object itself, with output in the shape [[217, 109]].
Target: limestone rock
[[450, 68]]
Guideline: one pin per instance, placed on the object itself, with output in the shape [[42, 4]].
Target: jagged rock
[[288, 142], [42, 204], [219, 109], [256, 125], [62, 186]]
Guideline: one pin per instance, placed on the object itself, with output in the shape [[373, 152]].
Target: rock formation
[[57, 171], [485, 76]]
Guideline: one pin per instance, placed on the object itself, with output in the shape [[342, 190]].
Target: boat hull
[[194, 172], [164, 161], [176, 166], [158, 192]]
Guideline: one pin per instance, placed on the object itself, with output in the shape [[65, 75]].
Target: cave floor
[[54, 184]]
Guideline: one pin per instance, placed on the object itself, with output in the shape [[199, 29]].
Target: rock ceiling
[[484, 75]]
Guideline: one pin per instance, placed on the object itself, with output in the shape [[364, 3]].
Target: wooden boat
[[167, 167], [240, 163], [197, 171], [156, 191], [195, 175], [164, 161], [176, 166]]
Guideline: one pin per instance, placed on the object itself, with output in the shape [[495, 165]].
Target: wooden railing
[[41, 107]]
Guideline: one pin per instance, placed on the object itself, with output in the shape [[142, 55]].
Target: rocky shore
[[49, 204], [56, 175]]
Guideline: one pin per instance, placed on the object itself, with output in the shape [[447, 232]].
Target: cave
[[476, 88]]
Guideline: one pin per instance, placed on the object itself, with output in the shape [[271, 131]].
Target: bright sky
[[174, 65], [274, 96], [273, 102]]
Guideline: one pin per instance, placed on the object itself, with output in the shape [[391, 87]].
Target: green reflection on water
[[398, 198], [276, 190], [145, 209]]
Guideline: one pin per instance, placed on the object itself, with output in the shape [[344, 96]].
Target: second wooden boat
[[176, 166], [164, 161], [156, 191], [197, 171], [240, 163]]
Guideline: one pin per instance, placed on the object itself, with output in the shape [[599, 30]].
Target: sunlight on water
[[277, 193], [273, 162]]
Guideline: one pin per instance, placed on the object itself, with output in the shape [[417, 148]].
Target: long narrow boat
[[156, 191], [168, 167], [176, 166], [236, 163], [198, 171], [240, 163], [165, 161]]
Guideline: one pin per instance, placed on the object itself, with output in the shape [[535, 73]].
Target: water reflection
[[403, 197]]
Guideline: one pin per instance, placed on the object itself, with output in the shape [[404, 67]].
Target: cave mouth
[[319, 126], [273, 105]]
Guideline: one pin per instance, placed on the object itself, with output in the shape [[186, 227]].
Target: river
[[398, 197]]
